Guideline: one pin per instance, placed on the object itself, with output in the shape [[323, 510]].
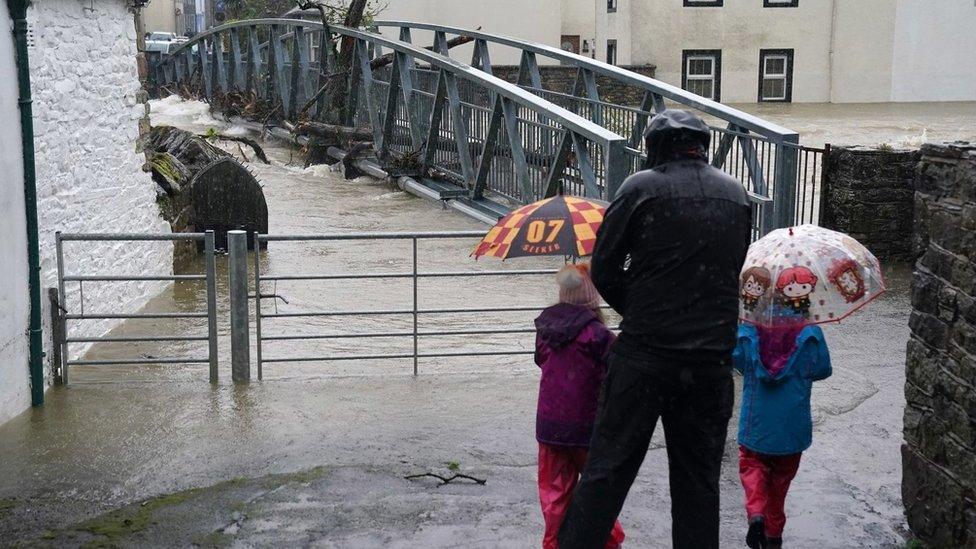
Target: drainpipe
[[18, 12]]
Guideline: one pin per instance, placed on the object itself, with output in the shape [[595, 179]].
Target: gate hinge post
[[240, 347]]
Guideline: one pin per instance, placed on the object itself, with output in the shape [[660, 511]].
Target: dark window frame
[[611, 6], [614, 50], [774, 4], [704, 3], [717, 84], [786, 52]]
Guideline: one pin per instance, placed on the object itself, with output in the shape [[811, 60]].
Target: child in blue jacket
[[779, 366]]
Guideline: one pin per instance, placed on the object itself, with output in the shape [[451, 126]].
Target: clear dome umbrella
[[807, 275]]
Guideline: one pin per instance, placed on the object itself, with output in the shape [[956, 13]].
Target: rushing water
[[318, 200], [901, 125]]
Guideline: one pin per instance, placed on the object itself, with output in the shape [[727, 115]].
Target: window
[[703, 3], [702, 73], [776, 75], [781, 3], [611, 6], [612, 52]]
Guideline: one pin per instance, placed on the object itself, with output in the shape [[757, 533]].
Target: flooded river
[[317, 200], [900, 125]]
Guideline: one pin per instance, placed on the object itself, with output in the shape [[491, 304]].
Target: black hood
[[675, 134], [559, 325]]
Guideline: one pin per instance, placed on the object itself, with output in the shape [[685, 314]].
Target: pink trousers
[[559, 471], [766, 479]]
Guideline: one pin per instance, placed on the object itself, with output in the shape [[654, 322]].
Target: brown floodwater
[[900, 125], [318, 200]]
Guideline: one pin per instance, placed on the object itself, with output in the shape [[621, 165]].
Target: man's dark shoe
[[774, 543], [756, 538]]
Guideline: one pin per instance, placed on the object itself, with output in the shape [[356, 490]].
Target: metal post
[[257, 301], [415, 309], [57, 330], [616, 169], [211, 266], [784, 182], [59, 248], [240, 349], [824, 186]]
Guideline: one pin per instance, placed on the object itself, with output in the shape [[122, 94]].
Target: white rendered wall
[[160, 15], [578, 18], [535, 21], [620, 27], [661, 29], [863, 46], [89, 177], [14, 301], [935, 51]]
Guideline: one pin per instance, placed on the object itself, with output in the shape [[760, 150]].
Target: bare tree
[[337, 81]]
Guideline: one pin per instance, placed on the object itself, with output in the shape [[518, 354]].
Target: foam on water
[[174, 110]]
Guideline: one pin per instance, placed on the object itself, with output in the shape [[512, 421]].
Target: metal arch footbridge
[[478, 138]]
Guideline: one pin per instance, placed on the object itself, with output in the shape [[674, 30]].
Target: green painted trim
[[18, 12]]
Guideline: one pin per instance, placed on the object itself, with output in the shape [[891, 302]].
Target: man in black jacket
[[667, 258]]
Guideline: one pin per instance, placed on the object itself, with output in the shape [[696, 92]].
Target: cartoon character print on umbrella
[[755, 283], [845, 275], [794, 286]]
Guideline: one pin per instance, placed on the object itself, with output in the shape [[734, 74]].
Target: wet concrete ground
[[96, 447], [314, 457]]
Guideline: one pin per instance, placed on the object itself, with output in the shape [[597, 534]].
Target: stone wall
[[939, 454], [869, 194], [561, 78], [14, 300], [89, 179]]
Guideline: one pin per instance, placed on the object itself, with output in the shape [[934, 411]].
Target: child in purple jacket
[[571, 346]]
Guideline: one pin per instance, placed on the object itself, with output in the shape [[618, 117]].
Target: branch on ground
[[448, 480]]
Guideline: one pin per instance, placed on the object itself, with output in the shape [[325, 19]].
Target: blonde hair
[[599, 315]]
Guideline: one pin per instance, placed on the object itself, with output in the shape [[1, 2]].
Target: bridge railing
[[450, 121], [761, 154]]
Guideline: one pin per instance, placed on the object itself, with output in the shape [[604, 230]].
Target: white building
[[14, 302], [844, 51], [85, 89], [536, 21], [164, 16], [550, 22], [179, 16]]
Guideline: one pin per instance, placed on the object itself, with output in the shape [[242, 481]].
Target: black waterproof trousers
[[694, 403]]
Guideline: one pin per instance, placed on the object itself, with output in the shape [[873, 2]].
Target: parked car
[[159, 41]]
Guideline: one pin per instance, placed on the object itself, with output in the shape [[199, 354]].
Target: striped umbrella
[[562, 226]]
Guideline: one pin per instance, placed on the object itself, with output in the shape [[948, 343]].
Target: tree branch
[[447, 480], [258, 151], [452, 43]]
